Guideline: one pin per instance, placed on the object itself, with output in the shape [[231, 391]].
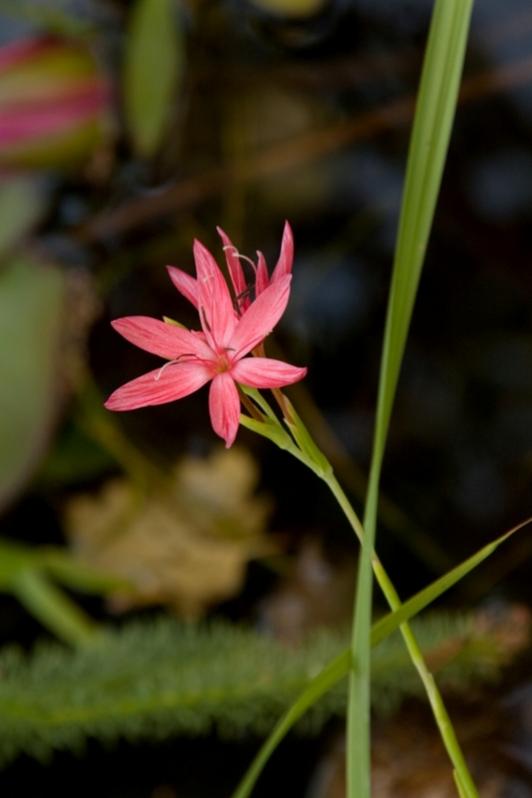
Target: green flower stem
[[440, 713], [302, 446]]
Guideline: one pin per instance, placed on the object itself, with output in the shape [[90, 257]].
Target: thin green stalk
[[333, 672], [314, 459], [440, 713], [302, 446]]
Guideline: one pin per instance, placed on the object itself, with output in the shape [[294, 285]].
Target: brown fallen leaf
[[186, 544]]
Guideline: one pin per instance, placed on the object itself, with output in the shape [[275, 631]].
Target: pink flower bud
[[54, 103]]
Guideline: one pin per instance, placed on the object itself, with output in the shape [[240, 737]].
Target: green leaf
[[31, 304], [14, 558], [154, 678], [63, 567], [420, 600], [260, 401], [317, 460], [339, 667], [25, 571], [53, 608], [153, 66], [436, 104], [463, 792], [269, 429], [22, 202]]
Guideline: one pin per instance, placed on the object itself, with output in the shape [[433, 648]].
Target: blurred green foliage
[[153, 679], [32, 310], [153, 65]]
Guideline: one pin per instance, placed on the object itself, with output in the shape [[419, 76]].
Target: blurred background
[[129, 129]]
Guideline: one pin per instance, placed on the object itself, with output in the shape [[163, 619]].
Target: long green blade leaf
[[338, 668], [428, 149], [421, 600]]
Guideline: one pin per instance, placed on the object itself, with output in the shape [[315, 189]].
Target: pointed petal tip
[[111, 403], [287, 227], [198, 245], [226, 241], [118, 324], [230, 440], [288, 237]]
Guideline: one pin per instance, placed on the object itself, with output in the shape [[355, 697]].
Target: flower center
[[223, 363]]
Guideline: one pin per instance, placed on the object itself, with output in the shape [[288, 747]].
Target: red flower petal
[[172, 381], [218, 315], [264, 372], [159, 338], [262, 280], [185, 284], [224, 407], [260, 318], [286, 256]]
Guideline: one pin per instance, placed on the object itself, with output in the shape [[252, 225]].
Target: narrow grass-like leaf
[[65, 568], [462, 791], [331, 674], [435, 110], [338, 668], [54, 609], [153, 62]]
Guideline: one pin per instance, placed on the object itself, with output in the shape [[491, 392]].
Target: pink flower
[[217, 353], [187, 285]]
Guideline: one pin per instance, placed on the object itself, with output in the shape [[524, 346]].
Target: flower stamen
[[237, 254], [203, 317], [173, 362]]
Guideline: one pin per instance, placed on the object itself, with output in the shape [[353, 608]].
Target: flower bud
[[54, 103]]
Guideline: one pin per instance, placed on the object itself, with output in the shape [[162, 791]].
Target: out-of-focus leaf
[[54, 609], [27, 572], [156, 678], [63, 567], [31, 306], [14, 558], [22, 201], [186, 544], [153, 62]]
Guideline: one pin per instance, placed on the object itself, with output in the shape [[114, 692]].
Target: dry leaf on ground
[[187, 544]]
